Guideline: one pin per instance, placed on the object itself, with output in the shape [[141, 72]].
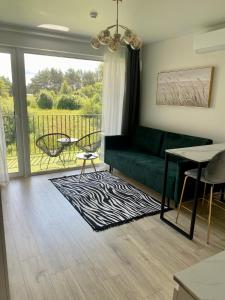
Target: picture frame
[[185, 87]]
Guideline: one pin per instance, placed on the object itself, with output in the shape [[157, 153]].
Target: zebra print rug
[[104, 200]]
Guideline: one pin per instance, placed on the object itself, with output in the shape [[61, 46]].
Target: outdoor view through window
[[64, 96], [8, 111]]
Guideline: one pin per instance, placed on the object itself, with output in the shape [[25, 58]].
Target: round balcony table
[[68, 143], [85, 157]]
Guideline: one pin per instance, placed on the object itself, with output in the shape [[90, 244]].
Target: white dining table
[[200, 155]]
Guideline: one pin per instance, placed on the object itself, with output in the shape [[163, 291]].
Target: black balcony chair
[[51, 145], [90, 143]]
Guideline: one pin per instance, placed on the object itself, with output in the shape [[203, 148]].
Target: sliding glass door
[[41, 95], [64, 97]]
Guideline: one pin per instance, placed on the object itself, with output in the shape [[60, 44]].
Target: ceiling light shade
[[135, 43], [113, 46], [95, 43], [115, 40], [104, 37], [128, 36]]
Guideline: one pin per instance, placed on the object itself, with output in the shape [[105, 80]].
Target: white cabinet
[[205, 280]]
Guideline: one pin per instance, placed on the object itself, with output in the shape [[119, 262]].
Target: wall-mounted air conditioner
[[210, 41]]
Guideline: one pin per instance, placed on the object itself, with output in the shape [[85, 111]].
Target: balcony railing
[[75, 126]]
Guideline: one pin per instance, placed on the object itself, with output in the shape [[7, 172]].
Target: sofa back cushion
[[147, 140], [175, 140]]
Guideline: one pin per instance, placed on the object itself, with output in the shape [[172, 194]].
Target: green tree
[[56, 79], [92, 90], [99, 73], [9, 127], [45, 100], [88, 78], [74, 78], [65, 88], [8, 84], [49, 79], [89, 107], [4, 87], [68, 102]]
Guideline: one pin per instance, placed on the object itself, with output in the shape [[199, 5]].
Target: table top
[[82, 156], [68, 141], [198, 153], [205, 280]]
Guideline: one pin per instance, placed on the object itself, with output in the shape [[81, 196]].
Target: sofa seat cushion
[[153, 172], [145, 168], [126, 157]]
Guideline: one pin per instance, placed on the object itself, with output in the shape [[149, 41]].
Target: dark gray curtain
[[132, 92]]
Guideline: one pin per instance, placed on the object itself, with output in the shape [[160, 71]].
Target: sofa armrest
[[116, 142]]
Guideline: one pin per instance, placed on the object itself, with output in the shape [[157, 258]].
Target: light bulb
[[112, 46], [104, 37], [136, 43], [115, 42], [117, 37], [128, 36], [95, 43]]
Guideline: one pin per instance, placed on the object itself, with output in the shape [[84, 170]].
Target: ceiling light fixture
[[116, 40], [53, 27]]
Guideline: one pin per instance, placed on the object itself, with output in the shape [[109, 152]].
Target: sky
[[5, 65], [35, 63]]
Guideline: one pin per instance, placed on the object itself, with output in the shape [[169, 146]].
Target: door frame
[[20, 100], [55, 54], [17, 81]]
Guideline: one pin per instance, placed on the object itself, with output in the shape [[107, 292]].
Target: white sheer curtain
[[4, 177], [114, 77]]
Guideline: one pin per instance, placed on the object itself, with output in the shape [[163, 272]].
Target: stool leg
[[181, 198], [203, 199], [210, 212]]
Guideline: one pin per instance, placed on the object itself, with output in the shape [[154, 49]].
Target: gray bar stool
[[213, 174]]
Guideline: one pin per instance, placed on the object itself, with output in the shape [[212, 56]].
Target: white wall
[[176, 54]]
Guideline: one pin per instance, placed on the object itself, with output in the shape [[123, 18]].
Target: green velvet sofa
[[142, 157]]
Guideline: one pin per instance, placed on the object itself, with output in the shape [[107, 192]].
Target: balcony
[[73, 125]]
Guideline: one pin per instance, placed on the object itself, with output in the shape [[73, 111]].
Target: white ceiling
[[153, 20]]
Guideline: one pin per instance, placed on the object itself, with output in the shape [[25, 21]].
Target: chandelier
[[115, 40]]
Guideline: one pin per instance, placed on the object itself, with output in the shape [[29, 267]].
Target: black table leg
[[195, 203], [168, 202], [194, 210]]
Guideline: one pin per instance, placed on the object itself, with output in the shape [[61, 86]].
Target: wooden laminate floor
[[4, 289], [53, 253]]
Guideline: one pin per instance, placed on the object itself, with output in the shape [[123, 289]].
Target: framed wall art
[[188, 87]]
